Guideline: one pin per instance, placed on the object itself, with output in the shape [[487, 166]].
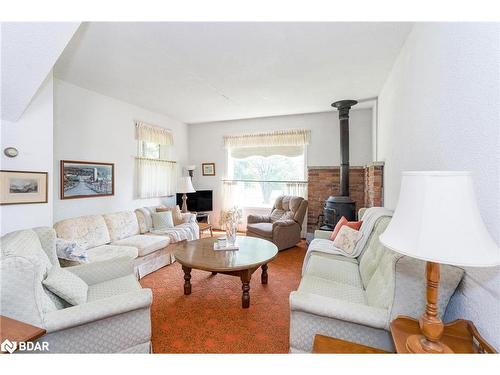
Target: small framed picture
[[86, 179], [208, 169], [23, 187]]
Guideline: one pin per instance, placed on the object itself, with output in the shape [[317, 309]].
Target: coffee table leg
[[187, 280], [263, 276], [214, 273], [245, 298]]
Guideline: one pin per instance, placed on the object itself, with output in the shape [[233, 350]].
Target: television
[[200, 201]]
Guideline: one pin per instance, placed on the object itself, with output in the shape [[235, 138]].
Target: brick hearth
[[365, 188]]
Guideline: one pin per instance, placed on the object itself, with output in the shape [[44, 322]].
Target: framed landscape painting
[[23, 187], [85, 179]]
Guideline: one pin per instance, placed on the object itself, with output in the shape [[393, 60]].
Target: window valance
[[153, 134], [280, 138]]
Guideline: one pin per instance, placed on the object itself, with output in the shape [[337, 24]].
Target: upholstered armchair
[[283, 225], [115, 318]]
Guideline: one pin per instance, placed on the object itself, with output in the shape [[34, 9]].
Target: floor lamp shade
[[437, 219]]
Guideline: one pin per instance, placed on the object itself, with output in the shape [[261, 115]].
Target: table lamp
[[437, 220], [185, 186]]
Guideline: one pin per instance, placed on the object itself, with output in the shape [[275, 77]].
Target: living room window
[[155, 173], [263, 166]]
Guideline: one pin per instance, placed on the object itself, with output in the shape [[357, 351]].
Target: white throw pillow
[[162, 220], [66, 285], [346, 239]]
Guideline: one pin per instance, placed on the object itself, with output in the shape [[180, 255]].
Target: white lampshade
[[437, 219], [185, 185], [191, 167]]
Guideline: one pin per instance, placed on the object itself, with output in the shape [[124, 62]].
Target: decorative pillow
[[343, 221], [162, 220], [346, 239], [70, 250], [66, 285], [176, 213]]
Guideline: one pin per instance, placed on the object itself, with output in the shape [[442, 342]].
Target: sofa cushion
[[88, 231], [66, 285], [162, 220], [105, 252], [26, 244], [176, 213], [144, 244], [121, 225], [344, 222], [331, 289], [346, 239], [334, 270], [373, 251], [113, 287], [261, 229]]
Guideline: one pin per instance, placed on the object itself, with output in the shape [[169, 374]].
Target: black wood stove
[[341, 205]]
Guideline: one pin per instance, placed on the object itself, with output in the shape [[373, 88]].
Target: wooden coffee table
[[252, 254]]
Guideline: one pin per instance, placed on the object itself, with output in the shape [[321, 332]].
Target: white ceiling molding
[[29, 52], [201, 72]]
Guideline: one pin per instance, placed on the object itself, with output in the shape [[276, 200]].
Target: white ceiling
[[29, 51], [200, 72]]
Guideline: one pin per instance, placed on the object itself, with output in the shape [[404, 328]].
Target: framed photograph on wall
[[86, 179], [23, 187], [208, 169]]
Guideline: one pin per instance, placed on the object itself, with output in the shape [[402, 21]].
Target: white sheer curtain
[[153, 134], [155, 178]]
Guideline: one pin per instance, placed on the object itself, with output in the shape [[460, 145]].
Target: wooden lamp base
[[419, 344], [184, 208], [431, 326]]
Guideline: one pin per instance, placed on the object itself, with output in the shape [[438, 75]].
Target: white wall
[[32, 136], [92, 127], [439, 109], [206, 142]]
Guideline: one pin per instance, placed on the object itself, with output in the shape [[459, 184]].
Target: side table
[[331, 345], [16, 331], [460, 335]]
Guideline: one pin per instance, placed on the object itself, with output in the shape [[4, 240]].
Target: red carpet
[[211, 319]]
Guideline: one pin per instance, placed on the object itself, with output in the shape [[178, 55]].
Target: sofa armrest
[[285, 223], [188, 217], [252, 219], [323, 234], [98, 272], [97, 310], [339, 309]]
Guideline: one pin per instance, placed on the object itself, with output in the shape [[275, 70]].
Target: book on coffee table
[[225, 247]]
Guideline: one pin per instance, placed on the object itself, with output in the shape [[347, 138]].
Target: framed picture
[[86, 179], [23, 187], [208, 169]]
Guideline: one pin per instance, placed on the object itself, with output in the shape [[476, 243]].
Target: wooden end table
[[253, 253], [17, 331], [331, 345], [461, 336], [205, 226]]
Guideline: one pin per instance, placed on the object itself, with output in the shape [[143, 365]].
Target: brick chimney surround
[[365, 188]]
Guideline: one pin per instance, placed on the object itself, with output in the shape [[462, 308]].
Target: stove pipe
[[343, 107]]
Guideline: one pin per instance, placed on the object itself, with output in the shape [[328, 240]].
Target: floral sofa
[[126, 234]]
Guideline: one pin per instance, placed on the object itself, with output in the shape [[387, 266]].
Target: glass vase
[[231, 234]]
